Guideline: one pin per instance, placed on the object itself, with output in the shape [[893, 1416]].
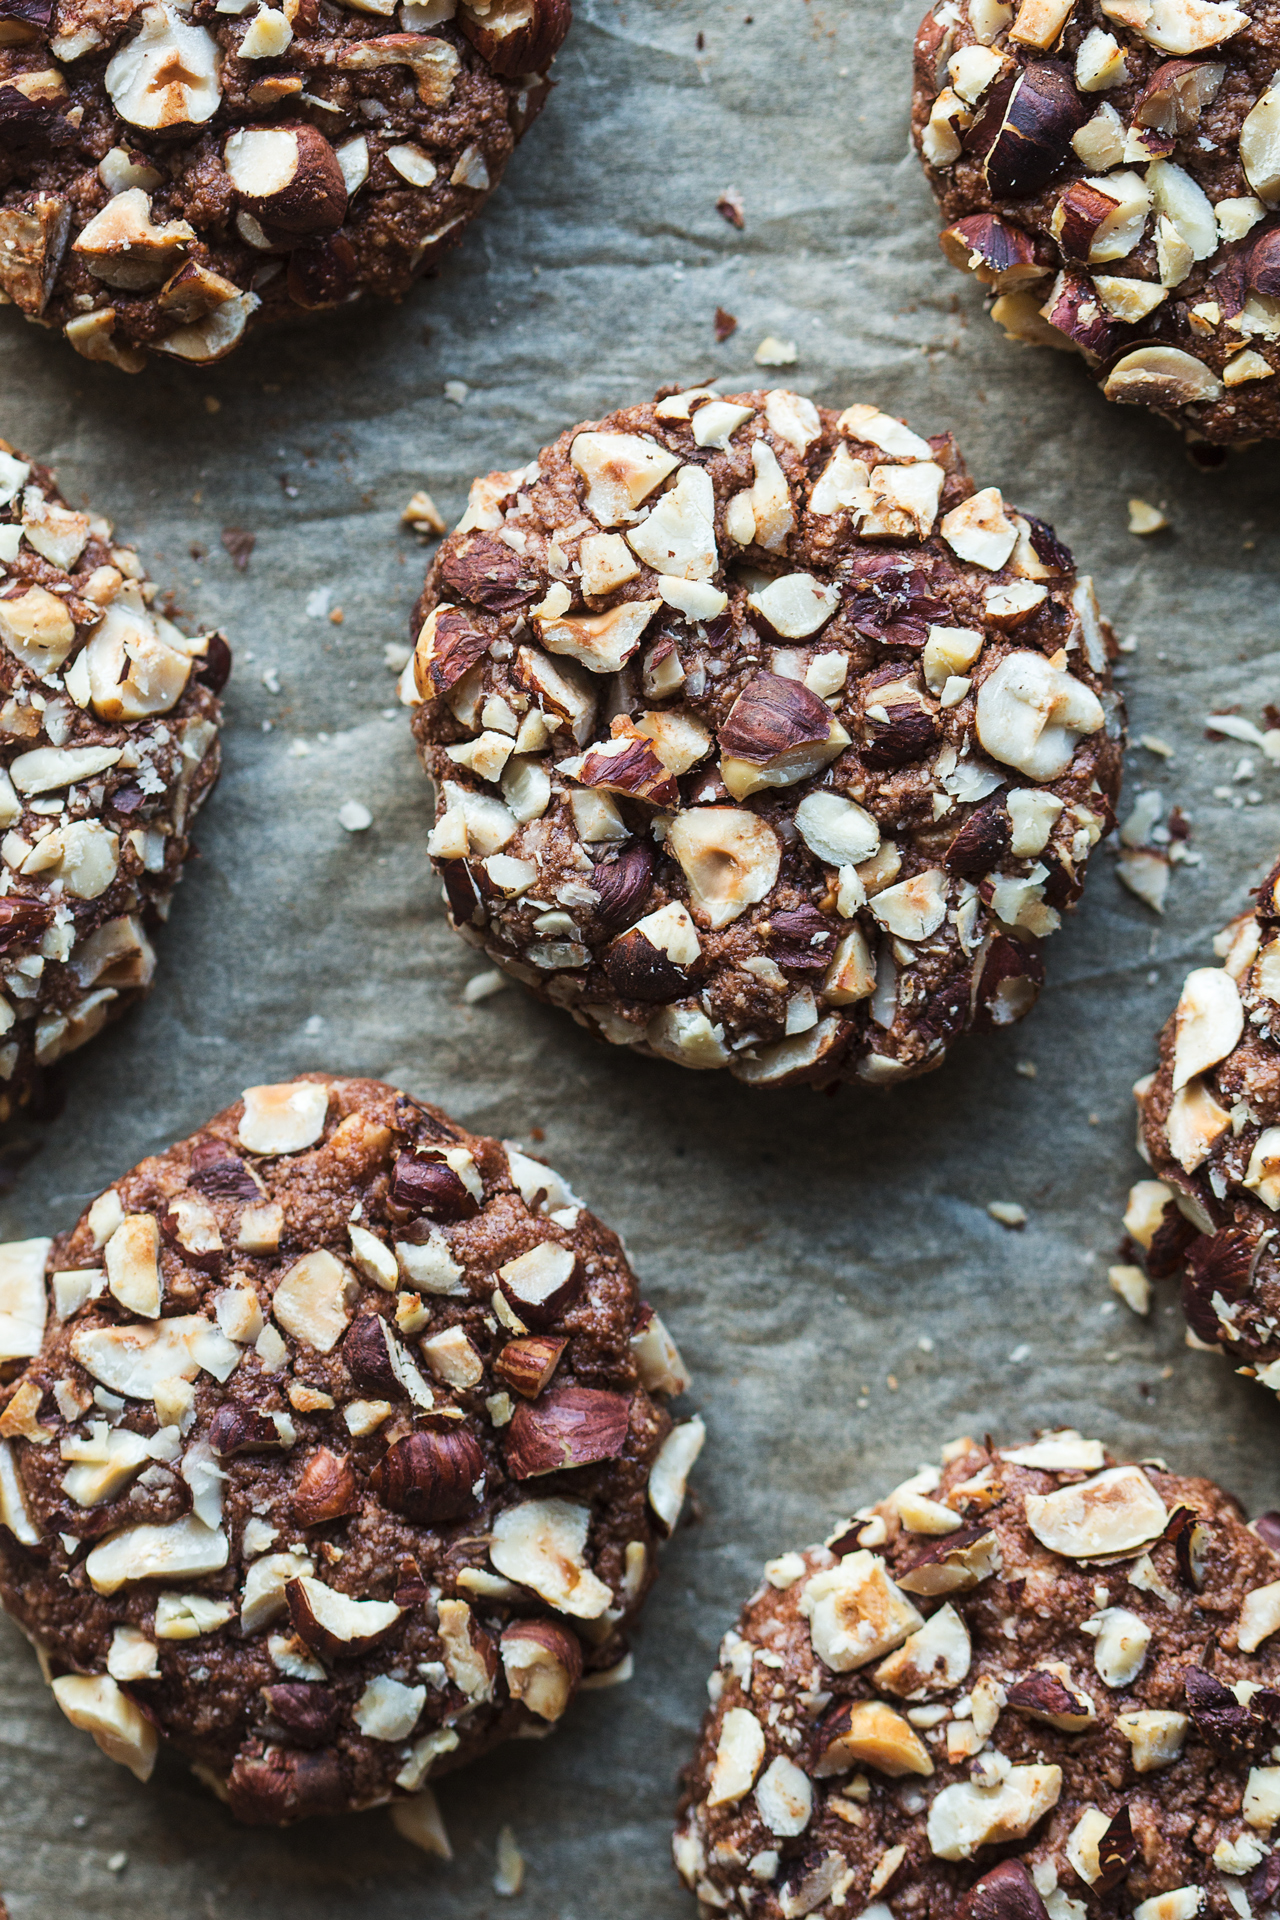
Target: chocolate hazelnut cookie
[[1031, 1685], [1110, 170], [762, 738], [173, 171], [1209, 1125], [109, 722], [340, 1451]]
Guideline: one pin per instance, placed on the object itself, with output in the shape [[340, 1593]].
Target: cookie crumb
[[730, 208], [726, 323]]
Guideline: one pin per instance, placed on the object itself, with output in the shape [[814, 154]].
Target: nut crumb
[[1007, 1212], [509, 1878], [422, 514], [1133, 1287], [354, 816], [1145, 519], [773, 352], [456, 391], [481, 985], [726, 323]]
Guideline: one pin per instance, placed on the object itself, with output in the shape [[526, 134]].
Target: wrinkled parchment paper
[[828, 1265]]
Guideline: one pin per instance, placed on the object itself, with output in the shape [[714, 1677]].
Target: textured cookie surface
[[761, 738], [171, 172], [1032, 1686], [342, 1455], [109, 723], [1111, 170], [1210, 1128]]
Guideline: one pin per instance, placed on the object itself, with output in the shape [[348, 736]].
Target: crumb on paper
[[239, 543], [419, 1821], [509, 1878], [1234, 726], [456, 391], [773, 352], [481, 985], [1145, 519], [1007, 1212], [271, 680], [725, 323], [396, 657], [317, 605], [354, 816], [1146, 875], [212, 404], [422, 514], [1027, 1068], [1132, 1286], [729, 206], [1154, 744]]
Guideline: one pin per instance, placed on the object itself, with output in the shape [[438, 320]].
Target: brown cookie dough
[[1032, 1685], [1209, 1126], [173, 171], [761, 738], [342, 1454], [109, 722], [1110, 170]]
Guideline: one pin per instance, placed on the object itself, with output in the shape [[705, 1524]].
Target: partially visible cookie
[[109, 718], [174, 172], [1109, 169], [763, 738], [1032, 1685], [1209, 1125], [335, 1449]]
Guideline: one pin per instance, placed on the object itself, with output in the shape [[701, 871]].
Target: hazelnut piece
[[288, 179], [543, 1665]]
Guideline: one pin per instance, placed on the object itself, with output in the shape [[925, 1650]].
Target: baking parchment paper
[[828, 1265]]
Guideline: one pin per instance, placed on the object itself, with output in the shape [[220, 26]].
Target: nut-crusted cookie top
[[343, 1453], [1033, 1685], [108, 745], [174, 170], [762, 738], [1111, 170], [1210, 1128]]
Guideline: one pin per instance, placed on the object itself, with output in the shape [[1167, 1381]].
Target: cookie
[[109, 719], [342, 1453], [762, 738], [174, 172], [1032, 1685], [1110, 171], [1209, 1126]]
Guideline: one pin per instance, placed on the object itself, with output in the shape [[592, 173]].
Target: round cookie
[[1030, 1686], [109, 719], [175, 171], [762, 739], [1209, 1126], [344, 1452], [1110, 172]]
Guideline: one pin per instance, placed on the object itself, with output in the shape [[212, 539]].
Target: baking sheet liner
[[828, 1265]]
